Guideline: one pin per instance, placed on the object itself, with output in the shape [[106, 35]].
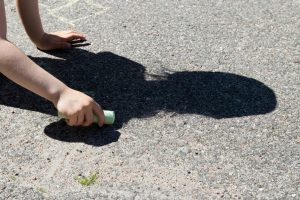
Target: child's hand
[[58, 40], [79, 108]]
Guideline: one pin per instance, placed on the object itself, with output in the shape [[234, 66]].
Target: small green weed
[[87, 181], [13, 177]]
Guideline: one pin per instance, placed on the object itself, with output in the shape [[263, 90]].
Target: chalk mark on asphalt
[[54, 12]]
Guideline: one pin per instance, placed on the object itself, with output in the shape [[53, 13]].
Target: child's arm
[[76, 106], [29, 13]]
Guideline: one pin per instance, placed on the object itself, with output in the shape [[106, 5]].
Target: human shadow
[[119, 84]]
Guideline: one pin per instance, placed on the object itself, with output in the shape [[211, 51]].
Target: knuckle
[[86, 104], [77, 110]]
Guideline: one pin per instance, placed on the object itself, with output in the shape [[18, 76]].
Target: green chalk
[[109, 117]]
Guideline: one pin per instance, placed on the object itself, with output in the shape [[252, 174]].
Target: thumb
[[99, 113]]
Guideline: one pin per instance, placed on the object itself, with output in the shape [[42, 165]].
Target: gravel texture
[[206, 95]]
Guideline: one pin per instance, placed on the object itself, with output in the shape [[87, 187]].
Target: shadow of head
[[120, 84]]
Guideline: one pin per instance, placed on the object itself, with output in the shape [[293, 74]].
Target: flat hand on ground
[[59, 40], [79, 108]]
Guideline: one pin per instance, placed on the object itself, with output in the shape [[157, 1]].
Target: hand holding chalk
[[109, 117]]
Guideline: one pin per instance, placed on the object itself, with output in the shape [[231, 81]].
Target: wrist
[[57, 93], [39, 39]]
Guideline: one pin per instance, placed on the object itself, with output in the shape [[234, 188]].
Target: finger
[[74, 36], [76, 32], [74, 42], [80, 118], [88, 118], [99, 113], [72, 120]]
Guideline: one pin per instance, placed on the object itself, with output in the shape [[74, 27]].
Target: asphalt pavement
[[206, 95]]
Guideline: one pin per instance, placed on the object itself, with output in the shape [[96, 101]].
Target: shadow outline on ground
[[119, 84]]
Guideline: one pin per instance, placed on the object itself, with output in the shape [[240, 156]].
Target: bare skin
[[15, 65]]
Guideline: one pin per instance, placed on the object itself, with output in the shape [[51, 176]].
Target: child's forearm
[[20, 69], [29, 13]]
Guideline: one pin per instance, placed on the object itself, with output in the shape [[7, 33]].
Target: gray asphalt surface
[[206, 95]]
